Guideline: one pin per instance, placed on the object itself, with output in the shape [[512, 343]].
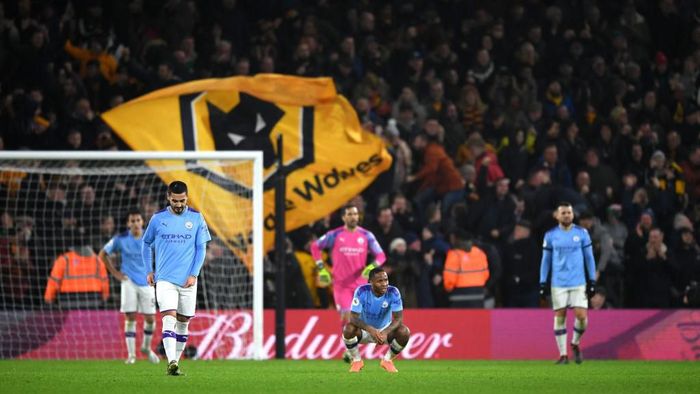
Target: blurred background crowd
[[494, 111]]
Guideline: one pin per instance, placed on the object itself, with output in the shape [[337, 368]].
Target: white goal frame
[[257, 187]]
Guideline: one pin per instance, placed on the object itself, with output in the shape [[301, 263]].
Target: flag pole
[[280, 253]]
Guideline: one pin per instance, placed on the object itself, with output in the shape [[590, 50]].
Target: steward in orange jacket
[[78, 280], [466, 273]]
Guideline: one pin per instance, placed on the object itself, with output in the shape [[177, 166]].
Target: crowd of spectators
[[493, 111]]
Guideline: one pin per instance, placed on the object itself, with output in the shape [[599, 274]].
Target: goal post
[[52, 201]]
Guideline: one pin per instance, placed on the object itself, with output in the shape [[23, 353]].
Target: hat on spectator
[[396, 243], [649, 212], [658, 155], [614, 209], [410, 237], [391, 129], [660, 58]]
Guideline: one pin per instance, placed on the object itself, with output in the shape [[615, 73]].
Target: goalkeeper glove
[[544, 291], [590, 288], [324, 277], [368, 268]]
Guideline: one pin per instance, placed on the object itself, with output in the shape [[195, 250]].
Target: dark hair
[[375, 271], [345, 208], [564, 204], [133, 211], [463, 235], [586, 215], [551, 145], [177, 187]]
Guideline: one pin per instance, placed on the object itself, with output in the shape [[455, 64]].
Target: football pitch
[[434, 376]]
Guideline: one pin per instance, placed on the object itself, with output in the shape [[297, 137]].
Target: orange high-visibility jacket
[[73, 273], [465, 269]]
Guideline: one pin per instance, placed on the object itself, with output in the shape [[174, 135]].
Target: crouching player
[[376, 317]]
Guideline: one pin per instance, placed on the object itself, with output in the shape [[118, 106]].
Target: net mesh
[[50, 207]]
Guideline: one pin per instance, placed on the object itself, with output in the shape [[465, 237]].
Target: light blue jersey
[[565, 252], [376, 311], [179, 242], [129, 249]]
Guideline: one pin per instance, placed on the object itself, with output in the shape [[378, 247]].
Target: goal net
[[55, 203]]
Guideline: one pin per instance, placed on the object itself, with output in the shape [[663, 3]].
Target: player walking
[[136, 295], [568, 255], [179, 236], [376, 317]]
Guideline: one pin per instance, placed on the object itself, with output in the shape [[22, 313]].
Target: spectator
[[594, 201], [402, 155], [520, 285], [403, 214], [437, 175], [78, 280], [403, 268], [613, 277], [554, 97], [691, 173], [687, 265], [603, 178], [654, 273], [472, 109], [485, 161], [436, 103], [514, 157], [603, 249], [558, 170], [385, 228], [499, 213], [600, 299], [455, 132], [466, 273]]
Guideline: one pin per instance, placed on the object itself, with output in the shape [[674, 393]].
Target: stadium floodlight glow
[[54, 201]]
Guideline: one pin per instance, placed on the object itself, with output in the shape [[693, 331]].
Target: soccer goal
[[59, 209]]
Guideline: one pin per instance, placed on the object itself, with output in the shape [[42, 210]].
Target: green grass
[[22, 376]]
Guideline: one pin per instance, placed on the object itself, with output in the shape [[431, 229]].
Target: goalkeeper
[[348, 246]]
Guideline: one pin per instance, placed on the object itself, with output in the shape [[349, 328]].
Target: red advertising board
[[315, 334]]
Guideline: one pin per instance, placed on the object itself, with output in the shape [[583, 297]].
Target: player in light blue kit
[[179, 236], [567, 253], [136, 295], [376, 317]]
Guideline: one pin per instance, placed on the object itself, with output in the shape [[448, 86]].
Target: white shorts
[[172, 297], [137, 298], [368, 338], [569, 297]]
